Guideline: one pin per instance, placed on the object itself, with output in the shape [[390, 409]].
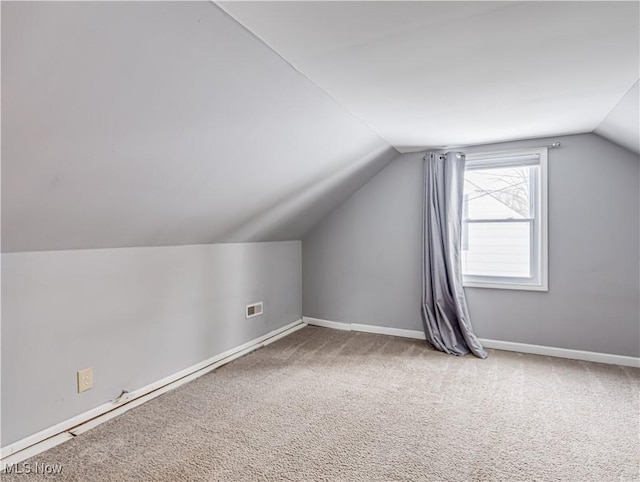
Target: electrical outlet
[[85, 379]]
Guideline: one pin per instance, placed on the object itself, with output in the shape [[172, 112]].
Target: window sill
[[505, 286]]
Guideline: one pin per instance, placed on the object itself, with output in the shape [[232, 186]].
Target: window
[[504, 226]]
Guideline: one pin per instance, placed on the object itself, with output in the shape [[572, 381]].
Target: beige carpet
[[324, 405]]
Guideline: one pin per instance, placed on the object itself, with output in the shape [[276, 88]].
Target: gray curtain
[[444, 309]]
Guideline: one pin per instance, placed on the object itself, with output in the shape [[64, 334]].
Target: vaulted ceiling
[[435, 74], [163, 123], [168, 123]]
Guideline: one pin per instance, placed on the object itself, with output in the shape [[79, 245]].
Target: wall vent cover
[[254, 309]]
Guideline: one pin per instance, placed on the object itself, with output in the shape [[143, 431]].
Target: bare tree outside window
[[503, 221]]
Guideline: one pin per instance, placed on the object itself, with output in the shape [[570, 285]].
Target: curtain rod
[[553, 145]]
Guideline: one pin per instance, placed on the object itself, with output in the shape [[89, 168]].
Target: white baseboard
[[61, 432], [591, 356], [336, 325], [495, 344], [379, 330], [383, 330]]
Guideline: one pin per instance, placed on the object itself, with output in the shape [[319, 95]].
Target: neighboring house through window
[[504, 226]]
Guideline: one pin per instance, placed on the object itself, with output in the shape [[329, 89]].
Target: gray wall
[[135, 315], [361, 264]]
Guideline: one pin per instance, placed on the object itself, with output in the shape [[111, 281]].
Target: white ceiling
[[435, 74], [167, 123], [163, 123]]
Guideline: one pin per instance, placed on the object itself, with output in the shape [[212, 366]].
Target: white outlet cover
[[85, 379]]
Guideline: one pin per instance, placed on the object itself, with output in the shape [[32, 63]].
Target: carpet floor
[[326, 405]]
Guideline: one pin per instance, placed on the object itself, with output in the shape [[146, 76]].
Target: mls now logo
[[35, 468]]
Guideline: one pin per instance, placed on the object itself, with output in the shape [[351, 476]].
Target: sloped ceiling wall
[[622, 125], [431, 74], [163, 123]]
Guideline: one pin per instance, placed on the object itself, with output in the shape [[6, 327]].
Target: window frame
[[539, 254]]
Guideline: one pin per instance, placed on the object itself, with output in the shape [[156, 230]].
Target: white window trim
[[542, 283]]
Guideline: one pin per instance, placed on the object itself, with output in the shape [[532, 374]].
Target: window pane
[[496, 249], [498, 193]]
